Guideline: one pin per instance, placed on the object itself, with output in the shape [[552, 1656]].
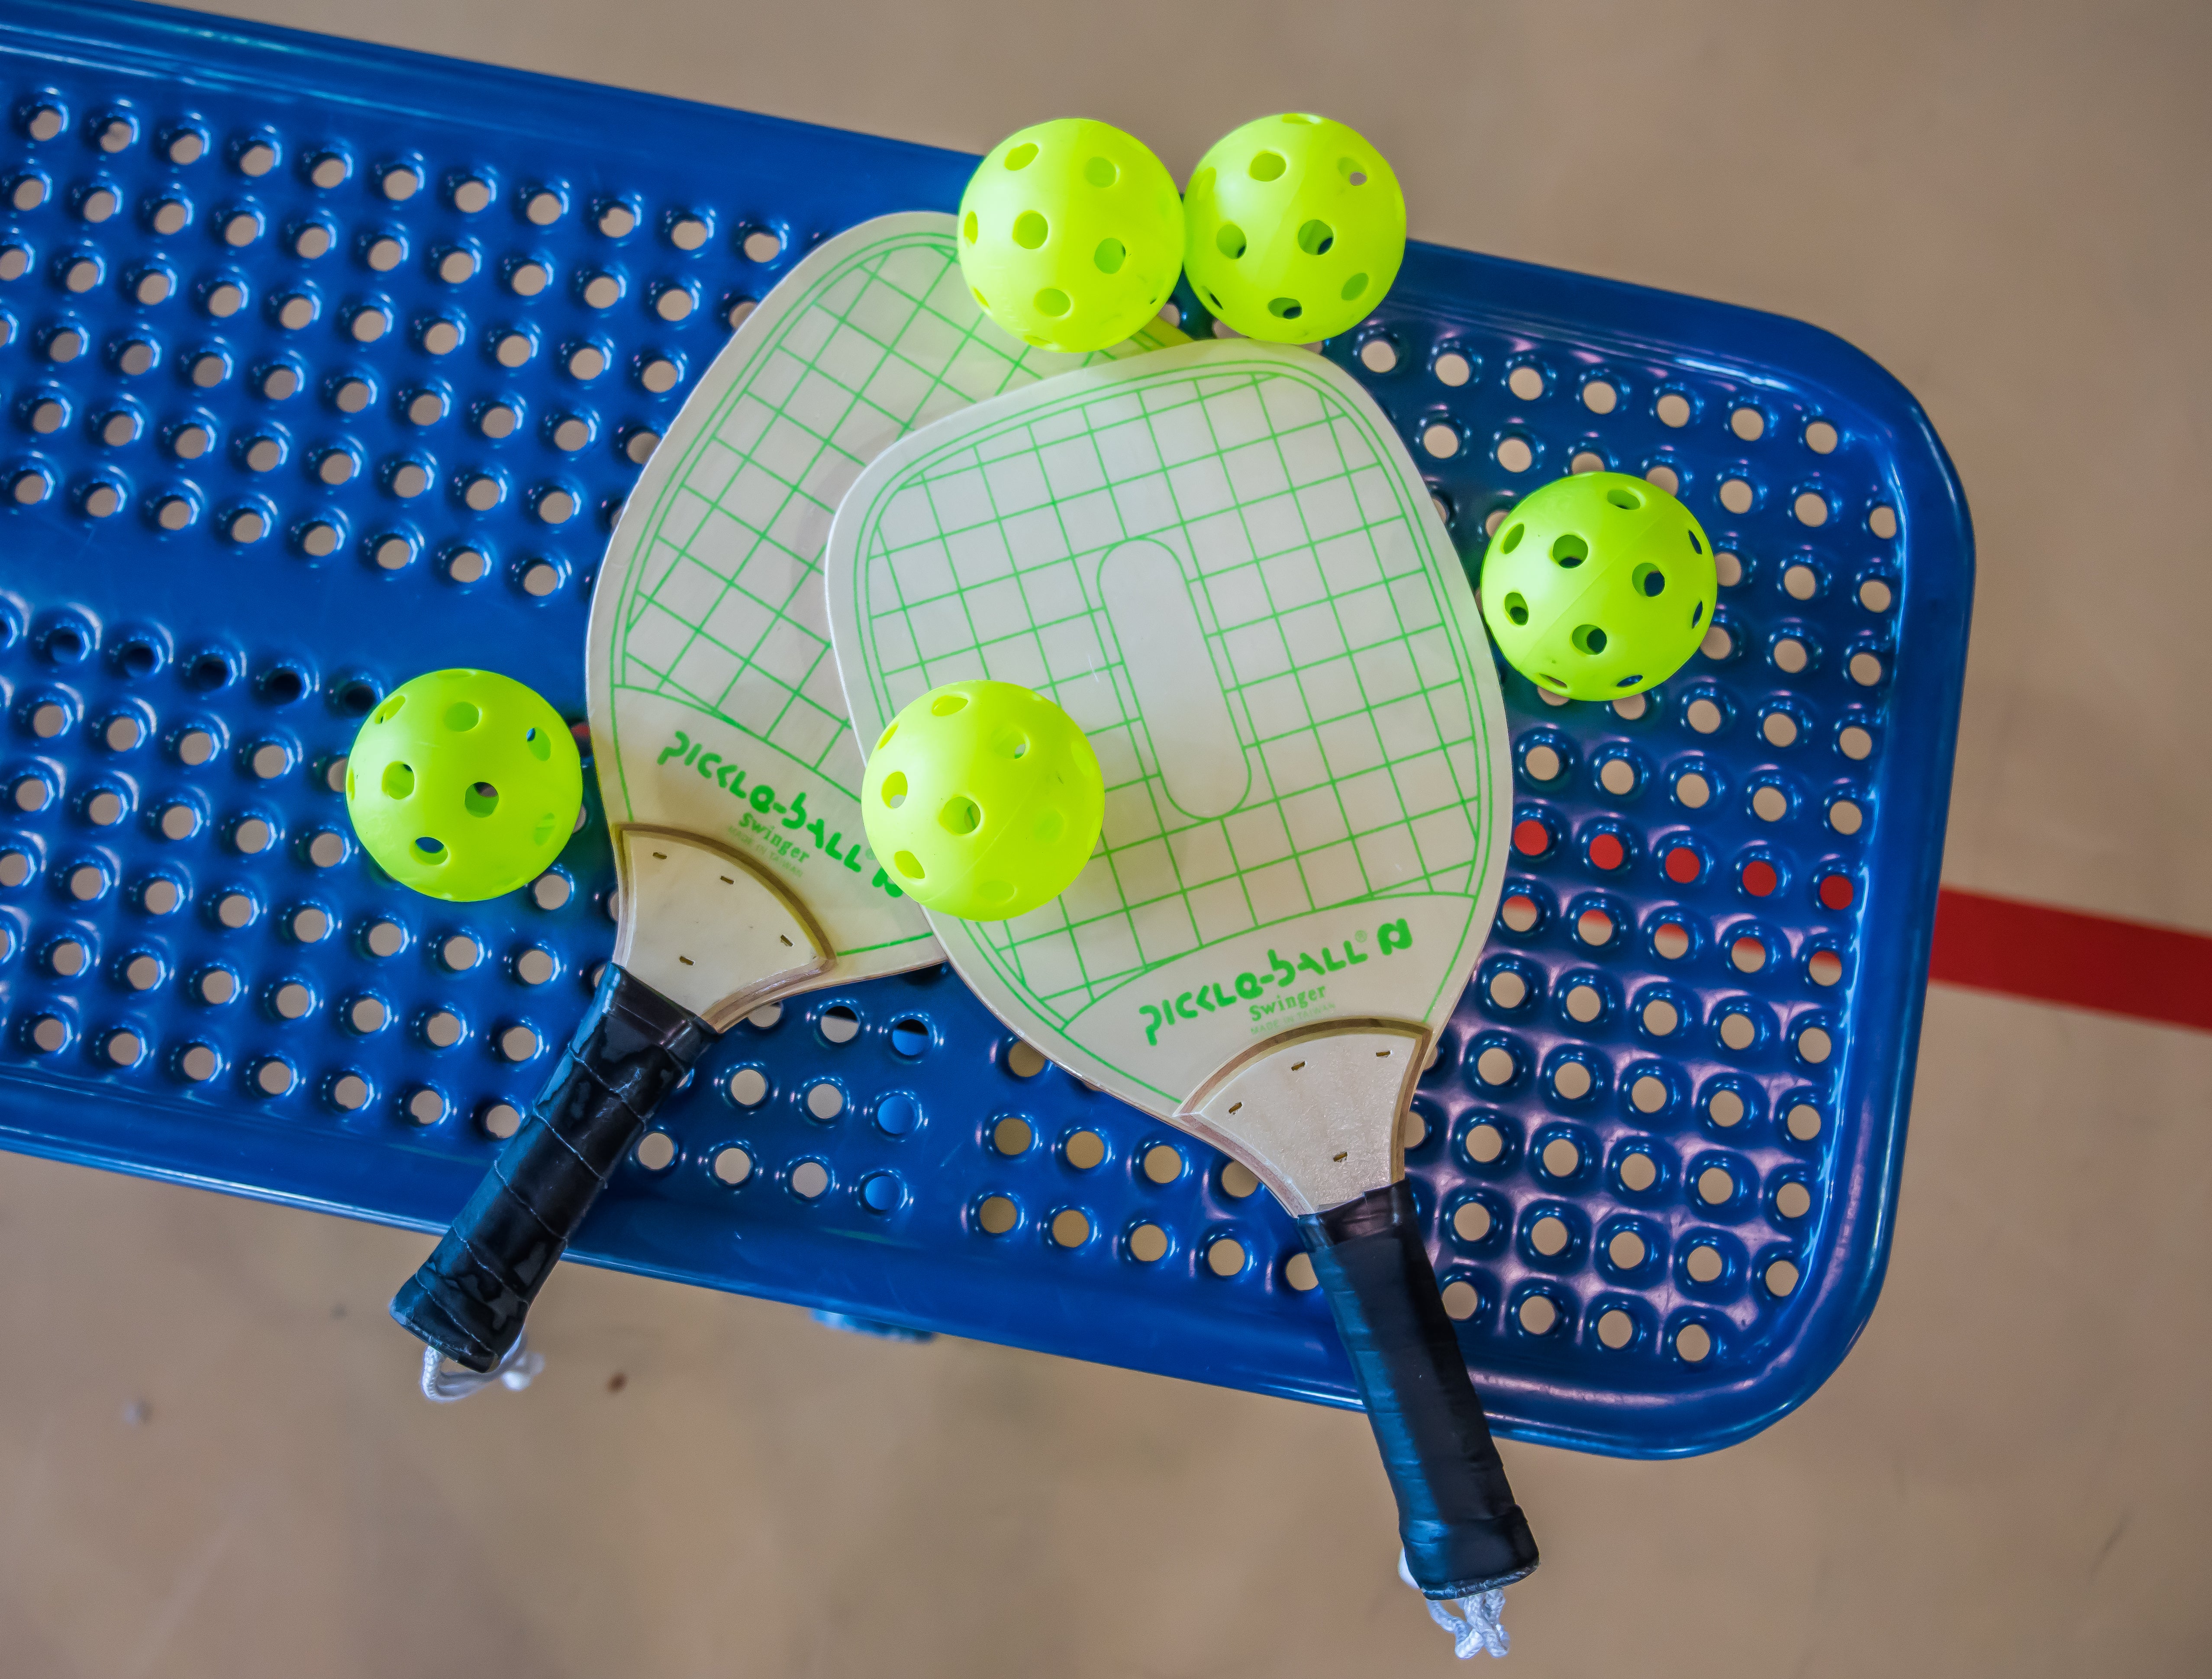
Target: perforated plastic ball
[[464, 784], [1071, 235], [1294, 228], [1599, 587], [985, 799]]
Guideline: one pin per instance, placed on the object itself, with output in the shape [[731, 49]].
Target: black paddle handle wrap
[[1463, 1532], [633, 1047]]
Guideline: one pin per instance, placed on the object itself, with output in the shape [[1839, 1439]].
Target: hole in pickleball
[[1570, 552], [1053, 302], [1030, 230], [1589, 639], [399, 780], [1109, 256], [1516, 608], [481, 800], [1647, 579]]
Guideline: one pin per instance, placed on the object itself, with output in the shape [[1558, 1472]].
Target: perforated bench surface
[[326, 365]]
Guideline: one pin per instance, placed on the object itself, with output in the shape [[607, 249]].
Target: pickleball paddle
[[729, 776], [1220, 561]]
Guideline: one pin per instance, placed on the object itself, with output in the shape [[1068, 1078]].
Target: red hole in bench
[[1531, 839], [1607, 852], [1682, 864], [1760, 878], [1836, 891]]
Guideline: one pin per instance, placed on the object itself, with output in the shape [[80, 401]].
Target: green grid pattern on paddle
[[1319, 605], [731, 617]]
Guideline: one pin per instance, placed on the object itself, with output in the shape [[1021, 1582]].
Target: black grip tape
[[1463, 1531], [635, 1046]]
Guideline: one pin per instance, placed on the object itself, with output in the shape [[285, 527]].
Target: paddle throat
[[1315, 1112], [709, 930]]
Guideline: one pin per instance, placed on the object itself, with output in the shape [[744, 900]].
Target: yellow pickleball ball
[[1071, 235], [1294, 228], [464, 784], [984, 799], [1598, 586]]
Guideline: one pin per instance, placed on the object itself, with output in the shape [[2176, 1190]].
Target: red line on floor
[[2062, 956]]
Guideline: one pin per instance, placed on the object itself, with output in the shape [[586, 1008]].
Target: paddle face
[[714, 701], [1220, 562]]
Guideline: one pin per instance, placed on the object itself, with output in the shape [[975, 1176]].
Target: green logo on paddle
[[784, 829], [1288, 985]]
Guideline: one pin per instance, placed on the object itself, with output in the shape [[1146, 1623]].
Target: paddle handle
[[470, 1297], [1463, 1532]]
